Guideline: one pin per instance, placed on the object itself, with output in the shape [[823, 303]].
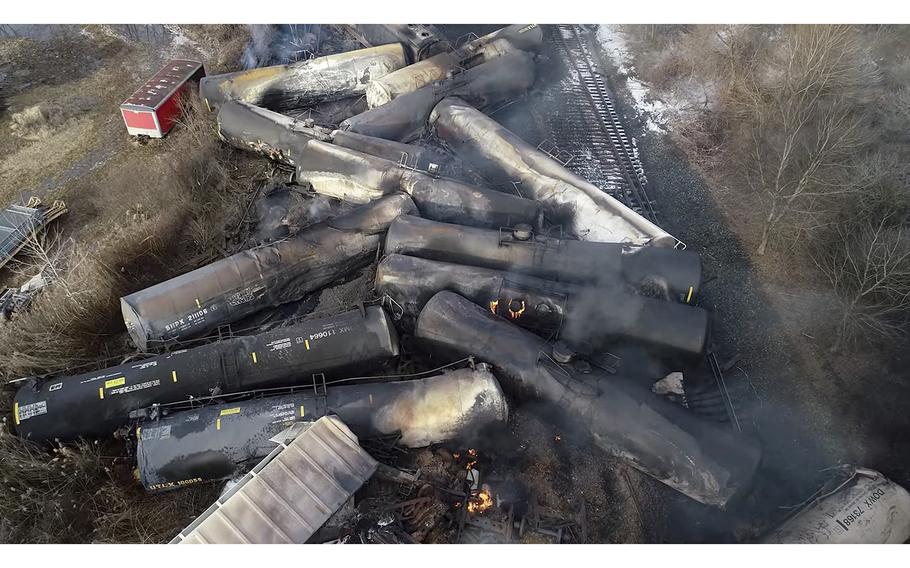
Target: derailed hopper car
[[95, 404], [698, 458], [676, 273], [197, 302], [214, 442]]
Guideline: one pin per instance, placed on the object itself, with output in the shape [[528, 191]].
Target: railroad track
[[587, 119], [584, 122]]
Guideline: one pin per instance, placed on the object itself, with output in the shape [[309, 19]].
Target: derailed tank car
[[276, 136], [676, 273], [197, 302], [404, 118], [96, 403], [698, 458], [214, 442], [864, 508], [591, 214], [517, 37], [297, 85], [357, 177], [586, 316], [419, 40]]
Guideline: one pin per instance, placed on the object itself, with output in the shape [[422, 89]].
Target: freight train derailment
[[501, 289]]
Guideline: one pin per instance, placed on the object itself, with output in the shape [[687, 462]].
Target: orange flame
[[481, 502], [493, 305], [517, 314]]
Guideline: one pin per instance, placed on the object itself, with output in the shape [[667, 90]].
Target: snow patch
[[615, 45]]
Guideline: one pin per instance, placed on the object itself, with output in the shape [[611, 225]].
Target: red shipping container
[[154, 108]]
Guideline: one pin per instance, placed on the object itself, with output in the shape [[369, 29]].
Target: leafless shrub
[[47, 497], [868, 265], [801, 119], [77, 494]]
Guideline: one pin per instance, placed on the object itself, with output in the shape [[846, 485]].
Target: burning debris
[[474, 287]]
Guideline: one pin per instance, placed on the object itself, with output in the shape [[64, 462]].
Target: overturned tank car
[[419, 40], [94, 404], [698, 458], [860, 506], [517, 37], [215, 442], [671, 272], [296, 85], [500, 155], [589, 317], [200, 301], [276, 136], [497, 81], [358, 178]]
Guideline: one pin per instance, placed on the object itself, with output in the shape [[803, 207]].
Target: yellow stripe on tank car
[[689, 297], [16, 412], [306, 342], [254, 358], [218, 424], [174, 376], [101, 393]]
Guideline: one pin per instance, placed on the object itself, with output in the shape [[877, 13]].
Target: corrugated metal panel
[[291, 493], [17, 223], [162, 85]]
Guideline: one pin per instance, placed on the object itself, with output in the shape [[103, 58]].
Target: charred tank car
[[301, 84], [698, 458], [588, 317], [671, 272], [405, 118], [200, 301], [96, 403], [590, 213], [357, 177], [215, 442]]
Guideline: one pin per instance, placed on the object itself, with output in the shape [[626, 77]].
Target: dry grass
[[75, 321], [76, 494]]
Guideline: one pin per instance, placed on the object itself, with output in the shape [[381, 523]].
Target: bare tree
[[869, 268], [801, 118]]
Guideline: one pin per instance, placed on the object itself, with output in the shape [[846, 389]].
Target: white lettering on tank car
[[33, 409], [137, 386]]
